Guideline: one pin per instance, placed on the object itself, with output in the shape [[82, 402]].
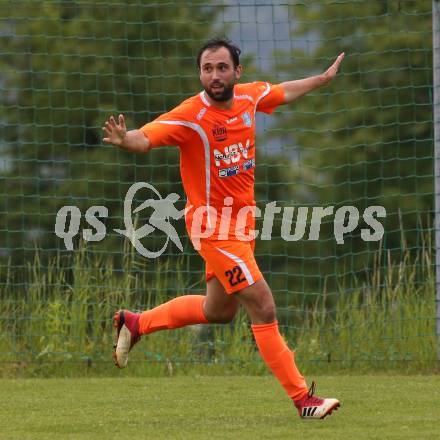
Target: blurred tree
[[367, 138], [67, 66]]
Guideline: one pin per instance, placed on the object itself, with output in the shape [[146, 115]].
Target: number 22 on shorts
[[235, 276]]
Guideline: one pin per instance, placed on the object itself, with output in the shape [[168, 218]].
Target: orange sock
[[279, 359], [180, 311]]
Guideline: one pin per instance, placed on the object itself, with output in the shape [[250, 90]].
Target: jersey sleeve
[[168, 129], [272, 95]]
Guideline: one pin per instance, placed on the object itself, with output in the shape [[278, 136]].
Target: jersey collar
[[203, 98]]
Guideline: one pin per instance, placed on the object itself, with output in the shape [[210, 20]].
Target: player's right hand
[[115, 133]]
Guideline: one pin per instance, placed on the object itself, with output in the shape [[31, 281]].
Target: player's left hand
[[330, 73]]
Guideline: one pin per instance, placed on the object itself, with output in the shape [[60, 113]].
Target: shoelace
[[312, 389], [311, 398]]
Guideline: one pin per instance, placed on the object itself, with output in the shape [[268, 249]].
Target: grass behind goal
[[67, 330]]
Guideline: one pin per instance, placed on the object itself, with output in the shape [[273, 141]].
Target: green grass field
[[373, 407]]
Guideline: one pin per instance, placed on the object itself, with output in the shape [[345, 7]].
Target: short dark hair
[[216, 43]]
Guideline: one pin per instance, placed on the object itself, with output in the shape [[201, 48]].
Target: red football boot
[[127, 334], [313, 407]]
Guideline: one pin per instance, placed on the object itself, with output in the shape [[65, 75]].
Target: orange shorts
[[232, 262]]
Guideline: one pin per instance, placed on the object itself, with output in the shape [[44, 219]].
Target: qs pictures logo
[[68, 221]]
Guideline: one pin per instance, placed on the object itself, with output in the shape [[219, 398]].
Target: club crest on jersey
[[247, 119], [219, 132]]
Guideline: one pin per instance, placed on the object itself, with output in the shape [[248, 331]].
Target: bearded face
[[220, 90], [218, 74]]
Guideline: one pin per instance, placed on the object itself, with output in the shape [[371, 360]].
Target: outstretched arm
[[295, 89], [117, 134]]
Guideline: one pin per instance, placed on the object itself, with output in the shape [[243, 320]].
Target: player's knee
[[267, 313], [266, 309]]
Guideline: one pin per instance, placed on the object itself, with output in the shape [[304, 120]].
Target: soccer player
[[215, 132]]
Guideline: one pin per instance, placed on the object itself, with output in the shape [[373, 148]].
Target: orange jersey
[[217, 147]]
